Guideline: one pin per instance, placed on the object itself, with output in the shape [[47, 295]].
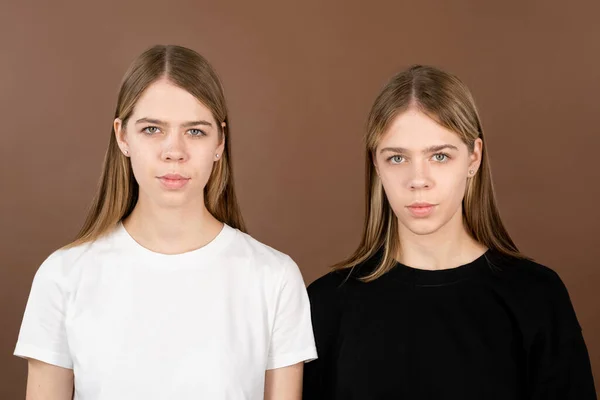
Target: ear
[[476, 157], [374, 161], [119, 129], [221, 147]]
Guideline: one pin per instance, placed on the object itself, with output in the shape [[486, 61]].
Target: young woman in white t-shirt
[[162, 295]]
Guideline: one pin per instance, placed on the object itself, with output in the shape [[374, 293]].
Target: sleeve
[[42, 335], [292, 339], [558, 361], [319, 375]]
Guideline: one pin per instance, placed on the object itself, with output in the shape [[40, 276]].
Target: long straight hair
[[448, 101], [117, 192]]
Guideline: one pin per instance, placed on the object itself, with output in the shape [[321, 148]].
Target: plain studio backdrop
[[300, 78]]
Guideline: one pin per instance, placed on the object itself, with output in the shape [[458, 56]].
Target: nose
[[420, 177], [174, 148]]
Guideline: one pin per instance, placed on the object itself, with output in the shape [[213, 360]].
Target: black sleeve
[[319, 374], [558, 364]]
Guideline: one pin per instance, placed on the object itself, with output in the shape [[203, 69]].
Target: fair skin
[[173, 141], [48, 382], [171, 132], [424, 169], [284, 383]]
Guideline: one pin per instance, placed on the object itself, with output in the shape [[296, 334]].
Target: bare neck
[[449, 247], [172, 230]]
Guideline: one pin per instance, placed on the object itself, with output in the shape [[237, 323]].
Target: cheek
[[393, 182], [202, 161], [202, 153], [203, 166], [141, 165], [142, 150], [451, 188]]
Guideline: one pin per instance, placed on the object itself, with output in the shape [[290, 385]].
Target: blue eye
[[396, 159], [441, 157], [150, 130], [196, 132]]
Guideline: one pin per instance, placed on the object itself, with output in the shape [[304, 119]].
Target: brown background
[[300, 78]]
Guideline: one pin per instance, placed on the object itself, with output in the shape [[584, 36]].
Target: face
[[173, 141], [424, 170]]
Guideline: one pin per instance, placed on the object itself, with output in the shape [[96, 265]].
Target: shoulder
[[526, 274], [342, 281], [328, 285], [64, 265], [261, 251], [332, 292], [329, 296], [263, 260], [538, 288]]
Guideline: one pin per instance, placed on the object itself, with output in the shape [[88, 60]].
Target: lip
[[421, 209], [173, 181]]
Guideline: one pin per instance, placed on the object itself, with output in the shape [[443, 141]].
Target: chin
[[173, 199], [170, 203], [421, 227]]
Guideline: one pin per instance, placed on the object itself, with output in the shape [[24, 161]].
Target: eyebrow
[[431, 149], [185, 125]]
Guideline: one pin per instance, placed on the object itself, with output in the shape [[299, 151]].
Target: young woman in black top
[[437, 302]]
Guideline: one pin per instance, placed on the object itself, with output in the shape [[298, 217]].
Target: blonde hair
[[444, 98], [118, 190]]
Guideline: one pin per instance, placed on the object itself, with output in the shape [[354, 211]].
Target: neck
[[171, 230], [449, 247]]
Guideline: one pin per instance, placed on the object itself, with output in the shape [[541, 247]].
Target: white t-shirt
[[135, 324]]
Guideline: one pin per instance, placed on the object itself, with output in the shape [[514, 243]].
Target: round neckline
[[209, 249], [441, 277]]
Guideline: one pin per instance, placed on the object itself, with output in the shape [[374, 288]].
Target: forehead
[[164, 101], [414, 130]]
